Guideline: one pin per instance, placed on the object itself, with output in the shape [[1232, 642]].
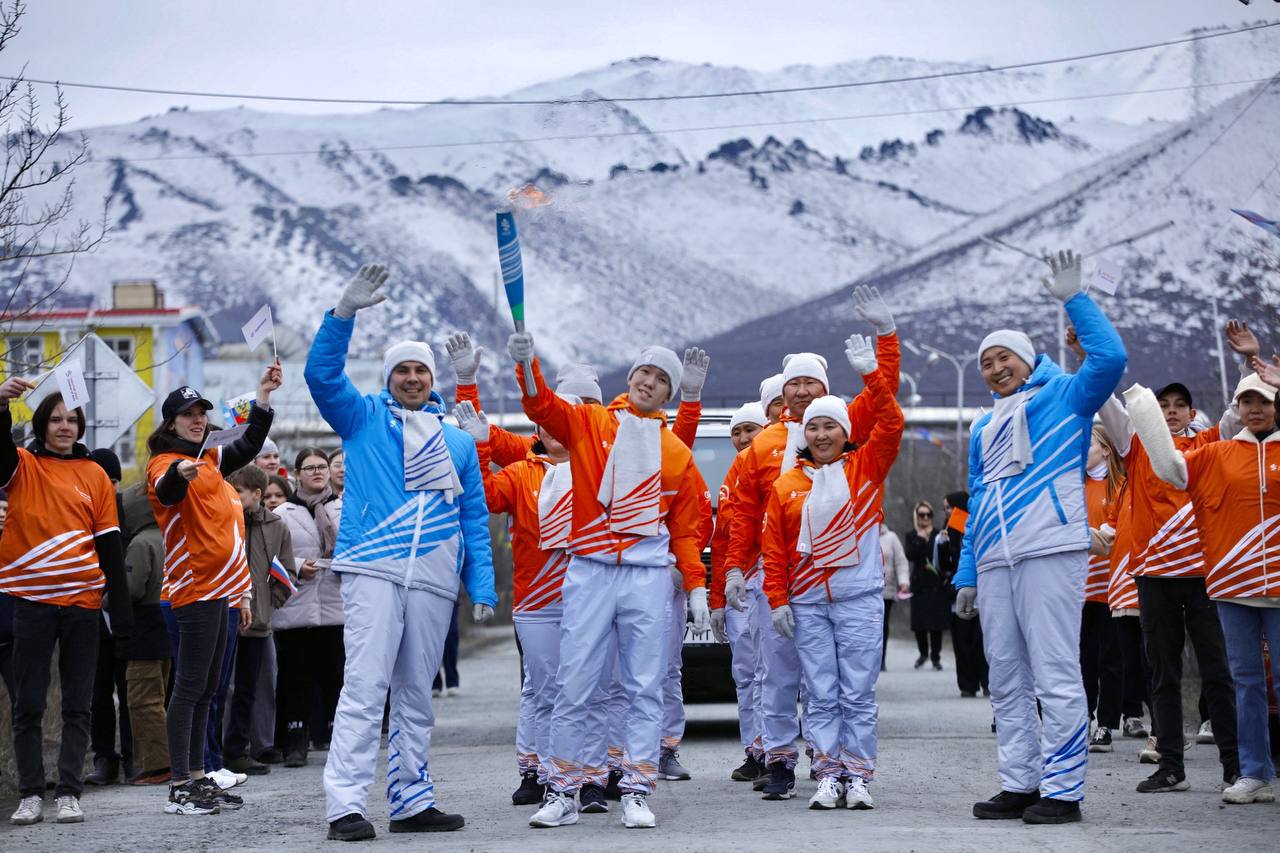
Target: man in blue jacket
[[414, 520], [1025, 552]]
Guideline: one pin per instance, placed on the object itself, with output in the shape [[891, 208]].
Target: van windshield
[[713, 455]]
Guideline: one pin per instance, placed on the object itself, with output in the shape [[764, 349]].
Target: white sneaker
[[558, 809], [830, 794], [1205, 735], [452, 691], [857, 796], [1249, 790], [30, 810], [69, 810], [1149, 753], [636, 813], [226, 779]]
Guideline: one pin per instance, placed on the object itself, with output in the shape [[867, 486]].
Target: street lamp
[[915, 399], [959, 362]]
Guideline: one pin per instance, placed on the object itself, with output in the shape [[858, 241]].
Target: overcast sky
[[424, 49]]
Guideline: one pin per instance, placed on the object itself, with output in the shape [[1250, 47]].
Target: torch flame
[[529, 197]]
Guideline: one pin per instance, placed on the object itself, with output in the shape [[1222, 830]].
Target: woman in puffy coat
[[308, 629]]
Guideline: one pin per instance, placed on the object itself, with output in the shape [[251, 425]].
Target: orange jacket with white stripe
[[537, 574], [763, 463], [58, 508], [1165, 539], [204, 550], [720, 538], [1097, 502], [588, 433], [1235, 488], [793, 577], [1122, 590]]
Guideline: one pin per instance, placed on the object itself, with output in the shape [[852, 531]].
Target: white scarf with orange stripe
[[827, 531], [631, 488], [555, 506]]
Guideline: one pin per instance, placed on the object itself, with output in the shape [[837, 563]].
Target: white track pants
[[632, 603], [839, 646], [779, 689], [672, 691], [394, 638], [746, 681], [1031, 633], [540, 642], [602, 749]]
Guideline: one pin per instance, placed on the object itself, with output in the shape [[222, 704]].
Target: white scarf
[[631, 488], [827, 531], [1006, 441], [795, 441], [555, 506], [427, 463]]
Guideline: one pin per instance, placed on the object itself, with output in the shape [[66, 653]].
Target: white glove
[[783, 622], [677, 579], [698, 609], [1066, 275], [465, 357], [694, 376], [472, 422], [966, 601], [870, 306], [362, 291], [718, 626], [520, 347], [482, 613], [735, 589], [861, 354]]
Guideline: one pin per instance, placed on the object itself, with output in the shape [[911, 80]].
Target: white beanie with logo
[[663, 359], [1014, 341], [806, 364], [829, 407], [418, 351], [748, 413]]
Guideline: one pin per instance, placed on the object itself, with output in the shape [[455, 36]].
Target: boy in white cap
[[635, 511], [1026, 552], [414, 522]]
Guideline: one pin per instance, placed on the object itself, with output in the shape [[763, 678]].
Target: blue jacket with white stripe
[[413, 538], [1041, 511]]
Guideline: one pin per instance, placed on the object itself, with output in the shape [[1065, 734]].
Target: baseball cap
[[182, 399], [1176, 388]]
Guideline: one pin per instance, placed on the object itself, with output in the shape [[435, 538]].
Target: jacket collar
[[1248, 437], [78, 451]]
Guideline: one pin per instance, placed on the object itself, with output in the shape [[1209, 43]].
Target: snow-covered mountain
[[653, 234]]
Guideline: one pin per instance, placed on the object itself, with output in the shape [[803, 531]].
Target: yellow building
[[166, 347]]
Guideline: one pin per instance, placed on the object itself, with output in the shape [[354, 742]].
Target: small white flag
[[221, 437], [1106, 277], [70, 376], [259, 328]]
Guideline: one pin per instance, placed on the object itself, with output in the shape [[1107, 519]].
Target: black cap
[[107, 461], [180, 400], [1176, 388]]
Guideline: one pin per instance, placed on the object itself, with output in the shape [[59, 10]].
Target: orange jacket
[[49, 551], [509, 448], [791, 576], [588, 433], [1097, 506], [538, 574], [720, 538], [1122, 589], [204, 551], [1165, 539], [763, 463], [1235, 487]]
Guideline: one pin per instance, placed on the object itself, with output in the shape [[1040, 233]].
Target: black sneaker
[[246, 765], [762, 779], [782, 782], [968, 694], [190, 798], [1163, 781], [1050, 810], [106, 771], [297, 758], [271, 755], [225, 799], [1005, 805], [430, 820], [352, 827], [591, 800], [1101, 740], [530, 792], [611, 789], [749, 771], [920, 661]]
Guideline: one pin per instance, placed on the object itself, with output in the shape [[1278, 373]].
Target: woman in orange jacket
[[823, 578]]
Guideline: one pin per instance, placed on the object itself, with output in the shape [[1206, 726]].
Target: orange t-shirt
[[204, 550], [58, 508]]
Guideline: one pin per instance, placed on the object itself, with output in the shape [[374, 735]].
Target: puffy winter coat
[[317, 601]]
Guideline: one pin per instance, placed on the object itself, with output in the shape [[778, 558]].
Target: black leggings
[[930, 645], [202, 632]]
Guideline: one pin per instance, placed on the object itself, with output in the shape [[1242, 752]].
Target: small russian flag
[[280, 575]]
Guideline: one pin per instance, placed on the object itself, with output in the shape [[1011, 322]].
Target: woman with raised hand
[[61, 547], [206, 569], [823, 578], [1026, 551]]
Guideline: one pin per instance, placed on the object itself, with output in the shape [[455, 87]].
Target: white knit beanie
[[407, 351], [580, 380], [770, 390], [1015, 342], [268, 446], [748, 413], [805, 364], [663, 359], [829, 407]]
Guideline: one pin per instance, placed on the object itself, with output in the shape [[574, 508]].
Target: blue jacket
[[1041, 510], [415, 539]]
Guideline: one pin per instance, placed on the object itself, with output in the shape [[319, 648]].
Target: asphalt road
[[937, 755]]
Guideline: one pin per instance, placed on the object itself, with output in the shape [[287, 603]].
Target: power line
[[939, 75], [673, 130]]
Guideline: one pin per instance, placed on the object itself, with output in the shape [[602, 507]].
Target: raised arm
[[506, 448], [1149, 424], [882, 445], [1100, 373], [11, 389], [871, 307], [246, 448], [340, 404], [558, 417], [692, 378]]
